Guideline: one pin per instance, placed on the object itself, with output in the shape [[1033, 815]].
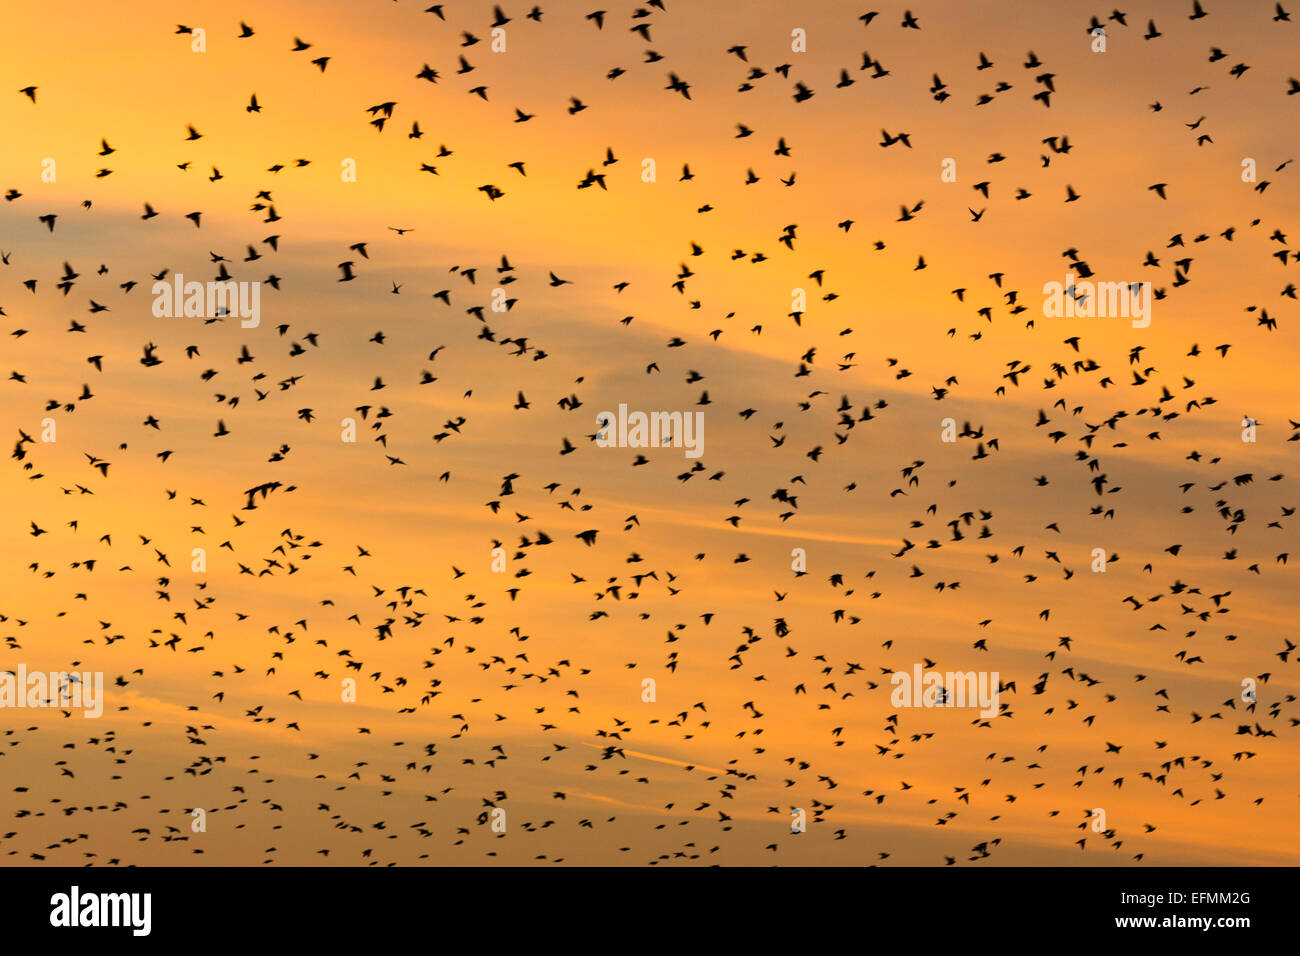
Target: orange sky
[[125, 76]]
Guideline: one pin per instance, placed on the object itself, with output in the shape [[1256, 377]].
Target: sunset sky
[[894, 338]]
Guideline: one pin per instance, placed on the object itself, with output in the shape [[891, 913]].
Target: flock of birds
[[271, 674]]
